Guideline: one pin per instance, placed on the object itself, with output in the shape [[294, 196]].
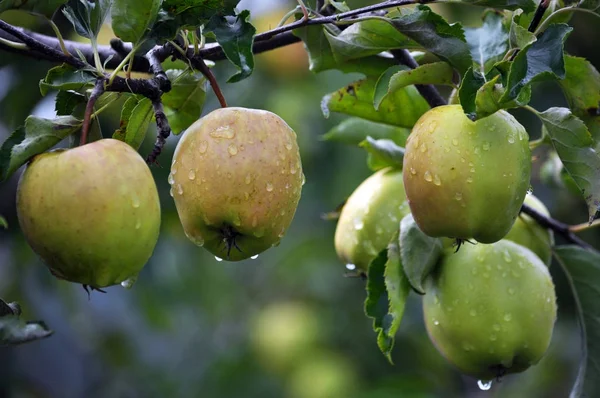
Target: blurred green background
[[288, 324]]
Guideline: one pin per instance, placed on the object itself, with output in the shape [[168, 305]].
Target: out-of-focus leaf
[[138, 122], [65, 77], [86, 16], [387, 290], [398, 77], [402, 109], [383, 153], [132, 19], [526, 5], [3, 223], [184, 103], [366, 38], [489, 43], [574, 145], [355, 130], [435, 35], [541, 60], [66, 101], [583, 271], [14, 332], [236, 36], [419, 252], [36, 136], [581, 86], [42, 7], [128, 106]]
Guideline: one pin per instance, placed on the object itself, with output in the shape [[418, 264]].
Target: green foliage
[[184, 103], [42, 7], [132, 20], [383, 153]]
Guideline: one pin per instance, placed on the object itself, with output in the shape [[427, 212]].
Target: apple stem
[[205, 70], [89, 109]]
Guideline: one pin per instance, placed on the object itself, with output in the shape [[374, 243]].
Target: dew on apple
[[358, 224], [350, 267], [135, 201], [128, 283], [232, 149], [170, 179], [219, 259], [254, 257], [269, 187], [484, 385], [192, 175]]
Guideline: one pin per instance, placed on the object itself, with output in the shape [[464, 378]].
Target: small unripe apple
[[370, 217], [236, 180], [527, 232], [490, 309], [466, 179], [92, 213]]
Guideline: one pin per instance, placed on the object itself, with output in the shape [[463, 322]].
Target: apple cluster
[[490, 305], [236, 179]]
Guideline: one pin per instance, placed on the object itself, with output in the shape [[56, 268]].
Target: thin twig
[[198, 63], [584, 226], [89, 109], [428, 91], [556, 226], [164, 130], [535, 21]]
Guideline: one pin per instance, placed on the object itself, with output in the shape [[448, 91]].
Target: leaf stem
[[14, 44], [584, 226], [546, 22], [59, 37]]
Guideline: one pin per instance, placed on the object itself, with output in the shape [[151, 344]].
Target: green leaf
[[467, 93], [589, 4], [527, 5], [14, 332], [41, 7], [574, 145], [38, 135], [3, 223], [355, 130], [541, 60], [128, 106], [132, 19], [383, 153], [87, 17], [138, 122], [236, 36], [519, 36], [67, 101], [65, 77], [582, 268], [402, 109], [581, 86], [398, 77], [387, 290], [489, 43], [419, 253], [321, 56], [184, 103], [435, 35], [366, 38]]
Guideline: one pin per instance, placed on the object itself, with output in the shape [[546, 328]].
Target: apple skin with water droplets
[[490, 309], [92, 213], [466, 179], [370, 217], [236, 179]]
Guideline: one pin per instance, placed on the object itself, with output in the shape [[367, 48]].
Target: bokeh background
[[288, 324]]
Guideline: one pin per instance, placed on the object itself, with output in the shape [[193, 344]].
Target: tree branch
[[428, 91], [164, 130], [556, 226]]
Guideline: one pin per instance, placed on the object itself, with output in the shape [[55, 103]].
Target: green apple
[[236, 180], [370, 218], [92, 213], [466, 179], [490, 309]]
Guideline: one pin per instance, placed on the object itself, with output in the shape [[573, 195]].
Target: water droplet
[[432, 126], [203, 146], [248, 179], [246, 195], [530, 190], [413, 171], [135, 201], [358, 224], [254, 257], [223, 132], [173, 169], [486, 146], [350, 267], [472, 169], [467, 347], [507, 317], [179, 189], [170, 179], [436, 180], [138, 224], [269, 187], [416, 141], [128, 283], [195, 239], [293, 169], [496, 327], [473, 313], [458, 196], [493, 337], [303, 180], [511, 291], [511, 139], [289, 146], [423, 148], [446, 149], [171, 191], [436, 322], [232, 149], [470, 180], [281, 233], [259, 233], [455, 142], [507, 257], [436, 300], [484, 385], [192, 175], [428, 176], [219, 259]]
